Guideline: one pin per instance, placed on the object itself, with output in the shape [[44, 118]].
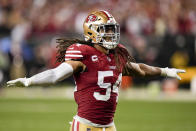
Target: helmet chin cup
[[109, 45]]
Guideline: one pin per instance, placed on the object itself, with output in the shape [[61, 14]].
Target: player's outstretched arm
[[144, 70], [51, 76]]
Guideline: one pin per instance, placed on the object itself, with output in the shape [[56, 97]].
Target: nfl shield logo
[[88, 129]]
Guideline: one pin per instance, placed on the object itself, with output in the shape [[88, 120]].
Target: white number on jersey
[[107, 86]]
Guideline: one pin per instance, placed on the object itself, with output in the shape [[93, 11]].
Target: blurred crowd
[[156, 32]]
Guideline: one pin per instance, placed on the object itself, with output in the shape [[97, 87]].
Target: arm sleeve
[[51, 76]]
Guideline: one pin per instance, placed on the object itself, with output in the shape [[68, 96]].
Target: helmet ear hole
[[89, 33], [90, 26], [98, 29]]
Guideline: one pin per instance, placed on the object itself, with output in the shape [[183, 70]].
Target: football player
[[97, 64]]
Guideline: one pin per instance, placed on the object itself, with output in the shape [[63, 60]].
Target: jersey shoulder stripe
[[73, 55], [74, 52]]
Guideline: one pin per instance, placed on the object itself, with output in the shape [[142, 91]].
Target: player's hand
[[171, 72], [20, 82]]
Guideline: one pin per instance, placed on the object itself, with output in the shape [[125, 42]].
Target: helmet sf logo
[[91, 18]]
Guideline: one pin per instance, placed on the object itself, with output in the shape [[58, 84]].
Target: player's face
[[109, 35], [108, 31]]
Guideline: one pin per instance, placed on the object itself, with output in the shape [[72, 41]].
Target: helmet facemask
[[108, 35]]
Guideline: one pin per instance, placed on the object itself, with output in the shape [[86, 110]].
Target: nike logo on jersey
[[112, 67]]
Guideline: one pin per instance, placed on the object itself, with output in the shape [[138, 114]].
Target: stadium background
[[156, 32]]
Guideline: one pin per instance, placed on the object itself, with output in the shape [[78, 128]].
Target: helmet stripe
[[107, 14]]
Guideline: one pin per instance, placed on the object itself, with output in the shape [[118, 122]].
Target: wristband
[[163, 71]]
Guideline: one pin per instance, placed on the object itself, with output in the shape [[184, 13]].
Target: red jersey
[[96, 90]]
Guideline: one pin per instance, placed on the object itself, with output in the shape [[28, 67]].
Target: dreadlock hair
[[64, 43], [122, 56]]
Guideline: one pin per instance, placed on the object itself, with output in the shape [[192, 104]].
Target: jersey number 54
[[107, 86]]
